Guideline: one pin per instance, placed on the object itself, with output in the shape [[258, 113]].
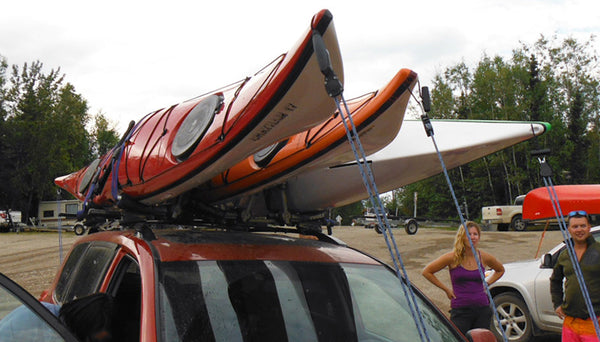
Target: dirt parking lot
[[32, 258]]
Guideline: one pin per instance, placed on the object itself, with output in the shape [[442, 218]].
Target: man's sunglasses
[[577, 213]]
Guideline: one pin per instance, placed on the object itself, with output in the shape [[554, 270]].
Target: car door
[[23, 318], [543, 300]]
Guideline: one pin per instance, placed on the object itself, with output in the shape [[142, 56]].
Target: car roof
[[198, 244]]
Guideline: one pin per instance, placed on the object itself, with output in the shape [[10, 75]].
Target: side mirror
[[480, 335], [547, 261]]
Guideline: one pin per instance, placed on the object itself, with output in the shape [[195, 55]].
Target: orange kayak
[[175, 149], [537, 204], [377, 116]]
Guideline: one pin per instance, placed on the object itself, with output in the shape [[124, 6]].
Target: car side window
[[67, 270], [89, 272], [126, 287]]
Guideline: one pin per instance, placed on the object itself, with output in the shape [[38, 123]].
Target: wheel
[[411, 227], [517, 223], [514, 317], [79, 229], [378, 229], [502, 227]]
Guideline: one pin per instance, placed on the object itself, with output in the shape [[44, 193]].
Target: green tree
[[348, 212], [104, 135], [577, 141], [553, 81], [43, 135]]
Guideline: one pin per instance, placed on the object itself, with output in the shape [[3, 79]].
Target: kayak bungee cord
[[425, 106], [334, 89], [115, 156], [546, 174], [121, 148]]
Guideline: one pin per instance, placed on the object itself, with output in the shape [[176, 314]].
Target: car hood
[[518, 272], [522, 264]]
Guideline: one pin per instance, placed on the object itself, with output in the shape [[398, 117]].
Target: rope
[[430, 133], [369, 181], [334, 89], [546, 173]]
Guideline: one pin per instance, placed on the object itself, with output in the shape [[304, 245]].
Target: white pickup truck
[[505, 216]]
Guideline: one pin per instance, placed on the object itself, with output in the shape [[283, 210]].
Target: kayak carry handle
[[333, 86]]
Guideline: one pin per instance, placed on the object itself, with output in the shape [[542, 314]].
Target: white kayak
[[409, 158]]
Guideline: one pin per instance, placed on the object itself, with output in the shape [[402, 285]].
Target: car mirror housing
[[480, 335], [547, 261]]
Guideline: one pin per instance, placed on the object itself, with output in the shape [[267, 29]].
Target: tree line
[[552, 80], [46, 131]]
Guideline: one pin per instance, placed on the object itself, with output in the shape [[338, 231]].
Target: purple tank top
[[468, 288]]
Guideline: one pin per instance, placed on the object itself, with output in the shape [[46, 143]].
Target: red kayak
[[175, 149], [377, 115], [537, 204]]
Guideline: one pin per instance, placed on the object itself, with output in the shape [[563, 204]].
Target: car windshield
[[288, 301]]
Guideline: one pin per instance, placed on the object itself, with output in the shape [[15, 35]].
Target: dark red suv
[[214, 285]]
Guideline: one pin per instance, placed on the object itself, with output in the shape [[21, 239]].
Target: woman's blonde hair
[[459, 242]]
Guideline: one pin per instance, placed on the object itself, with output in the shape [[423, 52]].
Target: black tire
[[79, 229], [411, 227], [514, 317], [517, 223], [378, 229], [502, 227]]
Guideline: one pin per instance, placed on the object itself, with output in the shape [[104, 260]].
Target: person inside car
[[89, 317]]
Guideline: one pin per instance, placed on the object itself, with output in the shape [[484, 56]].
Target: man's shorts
[[578, 330]]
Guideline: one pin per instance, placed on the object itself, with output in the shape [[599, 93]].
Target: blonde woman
[[470, 306]]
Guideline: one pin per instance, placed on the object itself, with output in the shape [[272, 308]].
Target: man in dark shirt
[[570, 305]]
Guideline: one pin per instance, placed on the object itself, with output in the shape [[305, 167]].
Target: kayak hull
[[537, 204], [410, 157]]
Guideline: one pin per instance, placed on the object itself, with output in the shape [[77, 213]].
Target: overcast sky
[[128, 58]]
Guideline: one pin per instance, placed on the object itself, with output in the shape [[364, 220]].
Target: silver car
[[522, 297]]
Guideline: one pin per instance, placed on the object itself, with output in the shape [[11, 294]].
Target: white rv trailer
[[51, 214]]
